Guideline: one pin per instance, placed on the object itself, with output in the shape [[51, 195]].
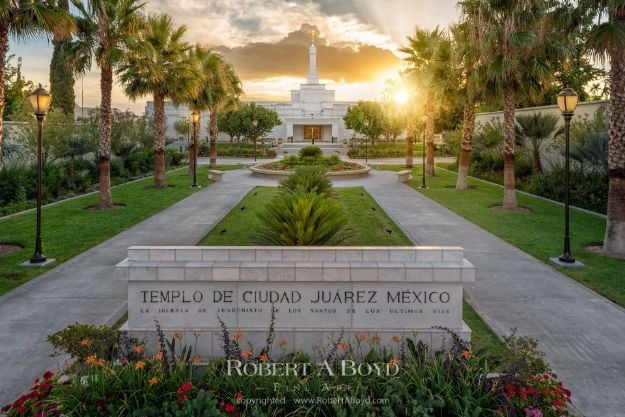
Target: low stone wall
[[318, 294]]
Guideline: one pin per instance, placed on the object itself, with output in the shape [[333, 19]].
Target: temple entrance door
[[312, 133]]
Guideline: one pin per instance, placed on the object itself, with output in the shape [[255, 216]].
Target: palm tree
[[470, 74], [23, 19], [428, 56], [607, 42], [106, 31], [534, 129], [222, 89], [160, 64], [521, 46]]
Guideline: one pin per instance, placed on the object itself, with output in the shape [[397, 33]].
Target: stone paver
[[581, 333]]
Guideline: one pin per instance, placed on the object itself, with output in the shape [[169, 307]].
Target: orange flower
[[375, 339], [246, 354], [394, 361], [363, 337], [101, 362], [197, 360], [158, 356], [84, 342], [264, 358], [237, 336], [284, 343], [153, 380], [466, 354], [178, 335], [343, 345], [90, 360], [139, 365], [138, 349], [395, 339]]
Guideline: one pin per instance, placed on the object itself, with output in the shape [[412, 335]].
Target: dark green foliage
[[239, 150], [82, 340], [310, 151], [61, 75], [303, 219], [592, 154], [308, 179], [203, 405], [522, 357]]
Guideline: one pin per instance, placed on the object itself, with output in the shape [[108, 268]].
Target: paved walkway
[[582, 334]]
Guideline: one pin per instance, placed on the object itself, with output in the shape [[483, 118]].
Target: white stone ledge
[[271, 271]]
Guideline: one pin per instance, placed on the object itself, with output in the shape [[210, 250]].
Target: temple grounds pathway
[[581, 332]]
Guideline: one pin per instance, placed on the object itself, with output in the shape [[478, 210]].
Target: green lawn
[[68, 229], [538, 232], [370, 227]]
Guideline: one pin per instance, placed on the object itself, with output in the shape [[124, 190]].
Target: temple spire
[[312, 78]]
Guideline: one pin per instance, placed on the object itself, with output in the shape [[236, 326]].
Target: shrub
[[310, 151], [82, 340], [308, 179], [303, 219]]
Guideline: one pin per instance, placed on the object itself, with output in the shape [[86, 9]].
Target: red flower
[[48, 375], [229, 408], [557, 403], [238, 395]]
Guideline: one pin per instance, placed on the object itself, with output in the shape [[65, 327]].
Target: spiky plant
[[308, 179]]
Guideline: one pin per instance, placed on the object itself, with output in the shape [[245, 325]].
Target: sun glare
[[401, 97]]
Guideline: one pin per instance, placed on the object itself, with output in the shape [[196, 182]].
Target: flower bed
[[402, 378], [332, 165]]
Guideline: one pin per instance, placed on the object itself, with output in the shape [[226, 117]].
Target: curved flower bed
[[335, 169]]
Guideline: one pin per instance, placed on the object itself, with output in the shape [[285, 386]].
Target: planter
[[275, 173]]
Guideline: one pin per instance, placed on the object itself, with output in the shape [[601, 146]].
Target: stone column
[[312, 78]]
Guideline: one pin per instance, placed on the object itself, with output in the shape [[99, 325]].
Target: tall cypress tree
[[61, 76]]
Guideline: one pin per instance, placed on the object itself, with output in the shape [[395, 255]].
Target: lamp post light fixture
[[195, 119], [567, 101], [423, 184], [366, 124], [40, 102], [255, 124]]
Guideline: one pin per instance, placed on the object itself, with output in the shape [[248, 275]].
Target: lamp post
[[423, 184], [567, 101], [40, 102], [254, 124], [366, 124], [195, 119]]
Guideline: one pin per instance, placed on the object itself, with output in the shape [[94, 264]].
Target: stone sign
[[316, 293]]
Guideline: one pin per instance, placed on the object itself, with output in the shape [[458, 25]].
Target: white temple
[[312, 114]]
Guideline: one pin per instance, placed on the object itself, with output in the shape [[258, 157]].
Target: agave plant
[[303, 219]]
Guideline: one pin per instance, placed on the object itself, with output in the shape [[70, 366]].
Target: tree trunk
[[614, 242], [466, 145], [106, 120], [409, 141], [4, 47], [429, 140], [213, 138], [537, 166], [509, 198], [159, 142]]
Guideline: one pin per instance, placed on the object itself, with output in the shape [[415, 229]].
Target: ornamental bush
[[310, 151], [308, 179]]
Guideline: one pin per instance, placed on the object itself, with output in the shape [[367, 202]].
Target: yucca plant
[[308, 179], [303, 219]]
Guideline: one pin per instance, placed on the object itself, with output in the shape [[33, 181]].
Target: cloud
[[288, 57]]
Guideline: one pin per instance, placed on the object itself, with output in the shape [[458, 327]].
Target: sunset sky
[[267, 41]]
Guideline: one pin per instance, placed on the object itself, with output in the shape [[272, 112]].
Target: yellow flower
[[139, 365], [138, 349], [394, 361], [84, 342], [101, 362], [158, 356], [153, 380], [197, 360], [237, 336], [90, 360], [264, 358], [246, 354]]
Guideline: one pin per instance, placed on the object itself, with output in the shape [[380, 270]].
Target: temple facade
[[312, 115]]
